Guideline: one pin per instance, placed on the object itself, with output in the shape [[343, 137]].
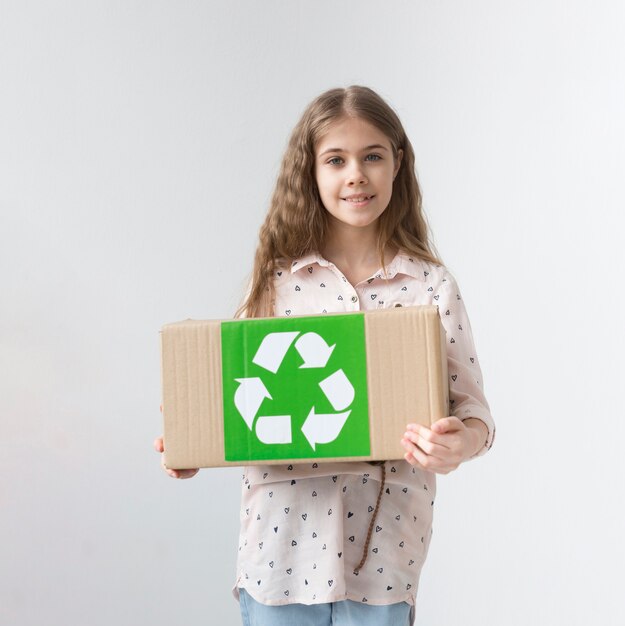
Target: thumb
[[442, 425]]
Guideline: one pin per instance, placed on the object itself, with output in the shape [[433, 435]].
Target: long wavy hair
[[297, 222]]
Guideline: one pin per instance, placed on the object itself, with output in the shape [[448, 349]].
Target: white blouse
[[304, 526]]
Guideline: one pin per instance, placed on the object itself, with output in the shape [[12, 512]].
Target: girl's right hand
[[185, 473]]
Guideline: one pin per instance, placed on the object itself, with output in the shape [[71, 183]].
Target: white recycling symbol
[[318, 427]]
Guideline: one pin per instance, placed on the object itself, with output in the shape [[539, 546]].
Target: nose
[[356, 176]]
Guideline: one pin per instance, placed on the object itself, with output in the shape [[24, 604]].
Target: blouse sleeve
[[466, 391]]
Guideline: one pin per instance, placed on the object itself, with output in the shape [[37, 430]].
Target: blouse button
[[354, 299]]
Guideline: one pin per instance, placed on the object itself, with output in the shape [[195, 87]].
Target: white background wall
[[139, 142]]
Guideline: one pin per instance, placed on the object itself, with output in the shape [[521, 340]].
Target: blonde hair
[[296, 223]]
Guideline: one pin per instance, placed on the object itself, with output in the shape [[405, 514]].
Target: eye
[[373, 157], [334, 161]]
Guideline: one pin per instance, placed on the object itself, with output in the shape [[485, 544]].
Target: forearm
[[479, 433]]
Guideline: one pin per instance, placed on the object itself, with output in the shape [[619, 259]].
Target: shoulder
[[438, 275], [432, 273], [281, 269], [439, 283], [288, 271]]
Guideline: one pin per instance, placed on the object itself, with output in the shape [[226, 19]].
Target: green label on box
[[295, 388]]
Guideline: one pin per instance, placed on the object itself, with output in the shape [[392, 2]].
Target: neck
[[355, 251]]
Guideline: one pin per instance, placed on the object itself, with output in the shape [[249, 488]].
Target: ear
[[400, 154]]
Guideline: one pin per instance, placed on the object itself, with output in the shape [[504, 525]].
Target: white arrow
[[272, 349], [274, 428], [322, 428], [338, 390], [314, 350], [248, 397]]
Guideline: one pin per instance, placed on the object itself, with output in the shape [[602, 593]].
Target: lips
[[360, 197]]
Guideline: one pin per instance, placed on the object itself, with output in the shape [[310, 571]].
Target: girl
[[344, 543]]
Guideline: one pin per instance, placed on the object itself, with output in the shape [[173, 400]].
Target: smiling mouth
[[357, 199]]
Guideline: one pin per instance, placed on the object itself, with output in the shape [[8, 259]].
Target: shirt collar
[[401, 264], [307, 260], [406, 264]]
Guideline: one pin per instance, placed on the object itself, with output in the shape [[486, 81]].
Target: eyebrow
[[371, 147]]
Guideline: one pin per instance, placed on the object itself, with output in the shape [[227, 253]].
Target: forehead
[[351, 134]]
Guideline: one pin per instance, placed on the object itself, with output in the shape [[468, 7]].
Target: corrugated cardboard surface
[[406, 377], [192, 394], [407, 374]]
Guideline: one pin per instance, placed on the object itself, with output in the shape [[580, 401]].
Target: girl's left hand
[[442, 447]]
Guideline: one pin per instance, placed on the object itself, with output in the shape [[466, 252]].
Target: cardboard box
[[300, 389]]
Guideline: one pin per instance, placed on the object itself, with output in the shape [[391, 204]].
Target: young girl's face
[[354, 170]]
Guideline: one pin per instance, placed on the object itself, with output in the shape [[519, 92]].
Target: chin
[[359, 223]]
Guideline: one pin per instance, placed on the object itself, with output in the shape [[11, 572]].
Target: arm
[[480, 430], [469, 429], [444, 446]]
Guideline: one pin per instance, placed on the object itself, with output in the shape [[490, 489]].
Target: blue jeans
[[342, 613]]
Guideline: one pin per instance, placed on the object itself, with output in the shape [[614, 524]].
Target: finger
[[428, 463], [408, 446], [414, 451], [431, 448], [182, 474], [412, 460], [425, 461], [446, 424], [158, 444], [409, 456], [417, 428], [425, 433], [406, 443]]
